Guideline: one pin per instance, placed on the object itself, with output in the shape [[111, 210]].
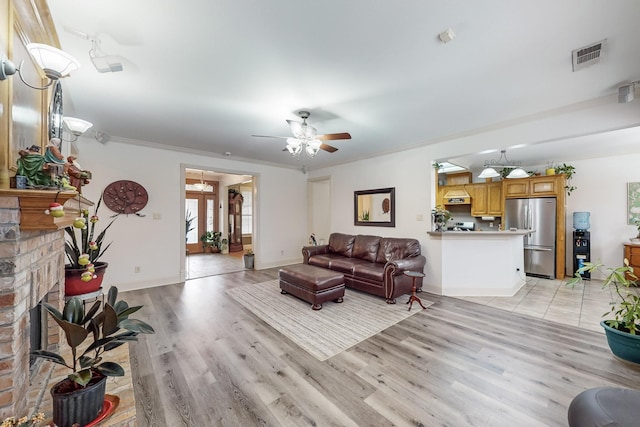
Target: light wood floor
[[458, 363], [203, 265]]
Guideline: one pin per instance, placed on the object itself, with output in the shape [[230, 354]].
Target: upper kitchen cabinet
[[486, 199], [535, 186]]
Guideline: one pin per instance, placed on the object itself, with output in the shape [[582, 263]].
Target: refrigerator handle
[[526, 217]]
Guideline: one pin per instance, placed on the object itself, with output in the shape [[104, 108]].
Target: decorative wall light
[[76, 126], [55, 63], [490, 168]]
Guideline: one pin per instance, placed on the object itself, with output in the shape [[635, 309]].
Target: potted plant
[[623, 328], [224, 246], [211, 241], [568, 171], [248, 259], [440, 217], [84, 272], [79, 398], [189, 224]]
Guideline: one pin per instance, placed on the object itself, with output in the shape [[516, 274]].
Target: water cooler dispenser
[[581, 242]]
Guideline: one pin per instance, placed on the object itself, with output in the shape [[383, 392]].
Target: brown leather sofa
[[371, 264]]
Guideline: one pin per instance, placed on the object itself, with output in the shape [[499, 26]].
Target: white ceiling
[[207, 74]]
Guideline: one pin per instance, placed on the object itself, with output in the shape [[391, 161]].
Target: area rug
[[327, 332]]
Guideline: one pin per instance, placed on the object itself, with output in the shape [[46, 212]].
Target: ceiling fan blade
[[328, 148], [269, 136], [334, 136]]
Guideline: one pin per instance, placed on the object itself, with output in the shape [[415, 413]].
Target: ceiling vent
[[588, 55]]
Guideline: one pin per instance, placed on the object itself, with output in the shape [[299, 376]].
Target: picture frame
[[633, 202], [375, 207]]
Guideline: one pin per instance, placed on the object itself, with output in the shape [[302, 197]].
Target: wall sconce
[[54, 62], [76, 126]]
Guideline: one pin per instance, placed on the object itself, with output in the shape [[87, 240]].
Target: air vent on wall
[[588, 55]]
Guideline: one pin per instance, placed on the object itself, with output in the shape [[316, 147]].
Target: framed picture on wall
[[633, 202], [375, 207]]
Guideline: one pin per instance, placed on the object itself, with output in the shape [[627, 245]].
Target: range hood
[[457, 197]]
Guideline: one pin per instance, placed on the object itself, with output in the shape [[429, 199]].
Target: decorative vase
[[73, 285], [550, 171], [623, 344], [80, 406]]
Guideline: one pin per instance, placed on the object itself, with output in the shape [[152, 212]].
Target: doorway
[[201, 215], [207, 208]]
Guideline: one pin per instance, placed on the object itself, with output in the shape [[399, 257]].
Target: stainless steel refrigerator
[[539, 215]]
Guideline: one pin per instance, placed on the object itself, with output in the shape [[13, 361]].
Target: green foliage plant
[[81, 240], [107, 326]]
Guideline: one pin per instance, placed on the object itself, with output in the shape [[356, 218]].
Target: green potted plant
[[440, 217], [211, 241], [249, 258], [189, 218], [623, 328], [568, 171], [107, 326], [83, 247]]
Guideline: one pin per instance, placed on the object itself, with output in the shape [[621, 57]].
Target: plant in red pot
[[83, 248], [79, 398]]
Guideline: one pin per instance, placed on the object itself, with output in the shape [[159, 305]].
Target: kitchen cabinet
[[535, 186], [486, 199], [632, 253]]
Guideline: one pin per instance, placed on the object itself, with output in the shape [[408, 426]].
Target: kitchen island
[[477, 263]]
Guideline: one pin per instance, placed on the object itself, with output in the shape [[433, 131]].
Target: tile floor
[[581, 306]]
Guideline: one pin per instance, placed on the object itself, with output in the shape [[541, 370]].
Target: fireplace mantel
[[34, 203]]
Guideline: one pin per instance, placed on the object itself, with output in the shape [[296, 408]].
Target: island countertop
[[519, 232], [477, 263]]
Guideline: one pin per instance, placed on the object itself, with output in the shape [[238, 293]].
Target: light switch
[[419, 217], [157, 215]]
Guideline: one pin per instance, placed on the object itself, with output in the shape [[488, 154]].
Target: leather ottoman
[[605, 406], [312, 284]]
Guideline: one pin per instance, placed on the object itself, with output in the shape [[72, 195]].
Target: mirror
[[375, 207]]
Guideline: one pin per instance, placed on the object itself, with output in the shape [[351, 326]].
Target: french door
[[202, 207]]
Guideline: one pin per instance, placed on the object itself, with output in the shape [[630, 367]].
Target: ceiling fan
[[306, 139]]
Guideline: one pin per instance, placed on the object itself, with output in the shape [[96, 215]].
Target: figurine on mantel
[[77, 176], [31, 164]]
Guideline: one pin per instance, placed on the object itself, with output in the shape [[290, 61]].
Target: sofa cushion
[[345, 265], [341, 244], [392, 248], [369, 271], [366, 247], [323, 260]]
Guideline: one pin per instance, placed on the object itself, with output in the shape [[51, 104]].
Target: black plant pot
[[79, 406]]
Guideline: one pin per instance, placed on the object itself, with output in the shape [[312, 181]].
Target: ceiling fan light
[[518, 173], [76, 126], [310, 132], [488, 173], [55, 62]]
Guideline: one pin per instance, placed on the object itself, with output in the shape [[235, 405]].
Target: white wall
[[157, 245]]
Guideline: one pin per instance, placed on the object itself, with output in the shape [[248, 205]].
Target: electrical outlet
[[136, 269], [491, 225]]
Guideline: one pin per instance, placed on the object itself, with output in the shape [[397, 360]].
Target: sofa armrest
[[396, 268], [309, 251], [415, 263]]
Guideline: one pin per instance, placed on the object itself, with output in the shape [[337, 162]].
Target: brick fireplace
[[31, 269]]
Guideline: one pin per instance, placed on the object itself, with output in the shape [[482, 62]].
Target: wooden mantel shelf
[[34, 203]]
